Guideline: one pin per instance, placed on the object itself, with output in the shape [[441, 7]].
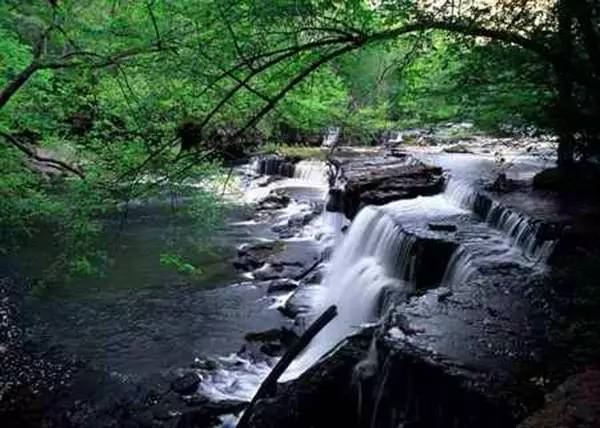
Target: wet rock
[[335, 201], [266, 180], [208, 414], [276, 165], [187, 384], [204, 364], [502, 184], [281, 285], [295, 224], [276, 200], [272, 342], [247, 263], [442, 227], [297, 304], [443, 294], [295, 261], [431, 260], [316, 276], [283, 335], [583, 178], [319, 398], [379, 182], [575, 403], [458, 148], [253, 256]]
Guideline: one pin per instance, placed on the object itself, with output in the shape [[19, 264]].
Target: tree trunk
[[565, 86], [269, 385], [13, 86]]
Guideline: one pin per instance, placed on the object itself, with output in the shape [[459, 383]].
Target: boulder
[[254, 256], [275, 200], [186, 384], [294, 261], [458, 148], [575, 403], [380, 181], [282, 285]]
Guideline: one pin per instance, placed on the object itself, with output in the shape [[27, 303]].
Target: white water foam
[[366, 263], [236, 378], [312, 172], [331, 137]]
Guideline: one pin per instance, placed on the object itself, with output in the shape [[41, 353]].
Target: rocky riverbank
[[480, 350], [484, 352]]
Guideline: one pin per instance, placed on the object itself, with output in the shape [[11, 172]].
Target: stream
[[140, 318]]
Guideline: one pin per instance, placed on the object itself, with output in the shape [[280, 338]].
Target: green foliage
[[297, 150], [179, 264], [492, 84], [221, 63]]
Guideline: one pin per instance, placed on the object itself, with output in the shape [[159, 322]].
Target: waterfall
[[460, 193], [273, 165], [331, 137], [460, 268], [311, 171], [373, 256], [333, 222], [395, 138], [522, 230], [379, 253]]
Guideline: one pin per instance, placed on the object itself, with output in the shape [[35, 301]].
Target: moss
[[294, 151]]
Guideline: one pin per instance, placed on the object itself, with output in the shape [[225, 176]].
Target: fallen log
[[269, 385]]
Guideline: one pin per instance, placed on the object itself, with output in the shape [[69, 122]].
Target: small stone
[[280, 285], [204, 364], [443, 294], [187, 384]]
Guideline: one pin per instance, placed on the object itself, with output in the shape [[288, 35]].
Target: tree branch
[[31, 153]]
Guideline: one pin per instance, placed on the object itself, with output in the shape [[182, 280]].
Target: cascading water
[[395, 138], [331, 137], [521, 229], [311, 171], [273, 165], [460, 193], [378, 252], [373, 255], [460, 268]]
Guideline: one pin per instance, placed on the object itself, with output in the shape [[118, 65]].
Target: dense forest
[[108, 105], [110, 93]]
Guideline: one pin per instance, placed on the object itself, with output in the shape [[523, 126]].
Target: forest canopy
[[124, 99]]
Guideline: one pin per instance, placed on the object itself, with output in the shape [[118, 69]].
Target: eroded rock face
[[383, 180], [575, 403], [323, 397], [431, 260], [276, 165]]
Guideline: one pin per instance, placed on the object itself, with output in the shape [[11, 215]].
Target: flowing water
[[379, 250], [141, 318], [331, 137]]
